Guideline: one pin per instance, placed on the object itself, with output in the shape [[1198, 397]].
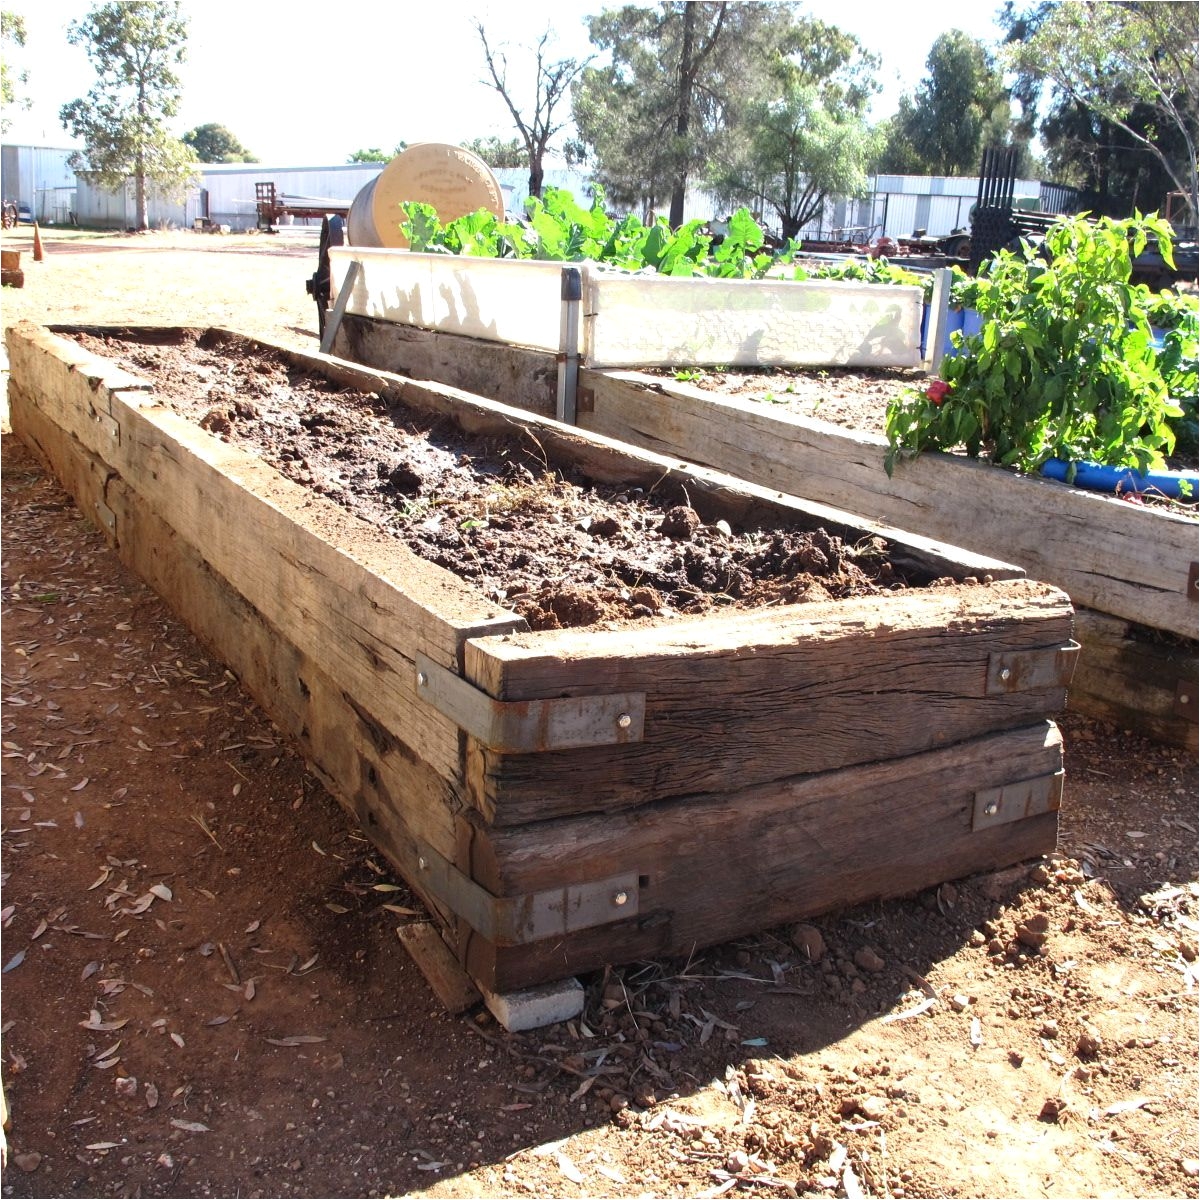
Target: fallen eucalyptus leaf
[[189, 1126], [569, 1169]]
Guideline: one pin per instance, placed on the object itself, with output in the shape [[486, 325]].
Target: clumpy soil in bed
[[548, 544]]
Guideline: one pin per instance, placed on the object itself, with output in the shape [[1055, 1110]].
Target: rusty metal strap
[[1016, 801], [1026, 670], [530, 726], [518, 920]]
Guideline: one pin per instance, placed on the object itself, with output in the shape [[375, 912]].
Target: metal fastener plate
[[535, 916], [1015, 801], [1025, 670], [531, 726]]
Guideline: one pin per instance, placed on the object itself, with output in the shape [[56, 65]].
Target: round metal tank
[[453, 180]]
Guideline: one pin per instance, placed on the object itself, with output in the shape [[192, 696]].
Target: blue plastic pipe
[[1097, 478]]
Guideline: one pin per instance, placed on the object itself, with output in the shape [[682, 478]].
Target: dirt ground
[[204, 992]]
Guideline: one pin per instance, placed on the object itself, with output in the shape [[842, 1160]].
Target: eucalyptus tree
[[12, 37], [498, 152], [136, 48], [680, 77], [806, 137], [1131, 66], [960, 106], [536, 126], [213, 143]]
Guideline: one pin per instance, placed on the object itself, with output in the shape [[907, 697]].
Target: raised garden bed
[[566, 798], [1132, 567]]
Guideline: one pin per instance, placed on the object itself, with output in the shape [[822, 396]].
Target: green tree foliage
[[808, 137], [135, 47], [374, 154], [538, 126], [1122, 81], [215, 144], [12, 35], [961, 106], [680, 78], [497, 153]]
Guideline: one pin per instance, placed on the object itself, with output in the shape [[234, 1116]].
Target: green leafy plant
[[1064, 365], [559, 229]]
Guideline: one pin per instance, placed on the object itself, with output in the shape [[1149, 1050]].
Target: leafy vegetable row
[[560, 229]]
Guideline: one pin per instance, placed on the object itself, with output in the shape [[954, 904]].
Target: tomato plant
[[1064, 365]]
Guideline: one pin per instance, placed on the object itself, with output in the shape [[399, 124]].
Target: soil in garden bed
[[534, 536], [852, 397]]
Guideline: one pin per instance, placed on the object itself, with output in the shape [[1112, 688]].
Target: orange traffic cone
[[37, 243]]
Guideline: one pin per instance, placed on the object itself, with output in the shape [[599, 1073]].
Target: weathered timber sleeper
[[566, 799]]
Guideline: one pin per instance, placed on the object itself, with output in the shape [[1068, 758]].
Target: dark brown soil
[[545, 542]]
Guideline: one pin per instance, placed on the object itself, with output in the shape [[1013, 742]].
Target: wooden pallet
[[562, 800]]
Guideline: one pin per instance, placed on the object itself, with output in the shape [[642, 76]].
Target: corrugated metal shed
[[39, 178]]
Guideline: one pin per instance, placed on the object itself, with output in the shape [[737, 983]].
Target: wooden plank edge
[[450, 983], [1130, 678]]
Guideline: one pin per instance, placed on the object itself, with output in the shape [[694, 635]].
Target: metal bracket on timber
[[1025, 670], [1185, 697], [530, 726], [1193, 582], [1016, 801], [518, 920], [111, 425], [106, 516]]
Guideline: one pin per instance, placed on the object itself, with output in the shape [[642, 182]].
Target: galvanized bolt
[[422, 679], [423, 864], [992, 809], [1006, 674], [1185, 698], [624, 720], [621, 898]]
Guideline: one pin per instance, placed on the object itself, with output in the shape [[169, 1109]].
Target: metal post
[[568, 346], [339, 308], [939, 315]]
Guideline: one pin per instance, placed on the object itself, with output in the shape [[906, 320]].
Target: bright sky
[[308, 84]]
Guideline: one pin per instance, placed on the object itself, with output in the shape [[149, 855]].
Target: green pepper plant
[[1064, 365]]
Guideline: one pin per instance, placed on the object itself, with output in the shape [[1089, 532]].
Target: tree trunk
[[139, 183], [684, 111], [536, 176]]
